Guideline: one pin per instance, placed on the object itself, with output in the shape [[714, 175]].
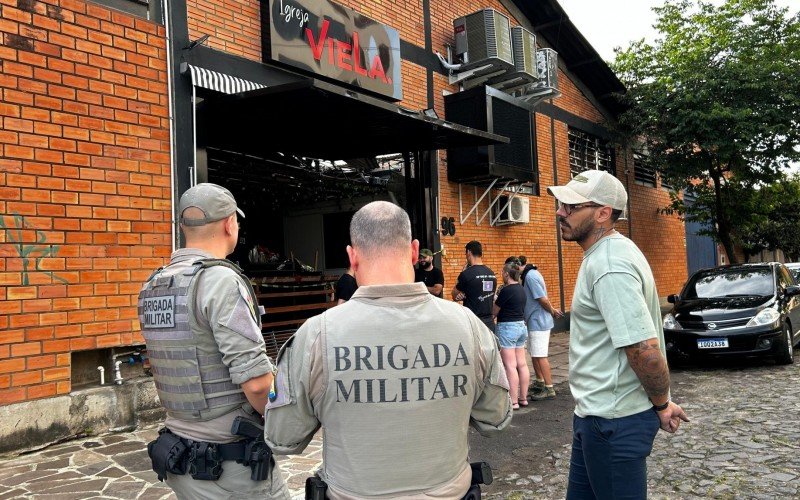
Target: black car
[[744, 310]]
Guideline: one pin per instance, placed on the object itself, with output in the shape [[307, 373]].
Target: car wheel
[[786, 356]]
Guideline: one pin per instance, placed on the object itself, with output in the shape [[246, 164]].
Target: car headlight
[[670, 323], [766, 316]]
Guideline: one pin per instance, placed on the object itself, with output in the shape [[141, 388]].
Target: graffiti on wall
[[29, 252]]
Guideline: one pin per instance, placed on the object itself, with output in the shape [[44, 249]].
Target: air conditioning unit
[[547, 69], [483, 38], [524, 72], [517, 211], [523, 43]]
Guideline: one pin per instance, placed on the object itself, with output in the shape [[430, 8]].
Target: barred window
[[587, 151], [643, 174]]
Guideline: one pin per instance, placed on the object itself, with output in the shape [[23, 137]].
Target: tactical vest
[[191, 380]]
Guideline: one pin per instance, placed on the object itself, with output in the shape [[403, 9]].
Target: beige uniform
[[396, 376], [223, 304]]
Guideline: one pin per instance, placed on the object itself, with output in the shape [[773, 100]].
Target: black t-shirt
[[511, 301], [346, 287], [478, 284], [433, 277]]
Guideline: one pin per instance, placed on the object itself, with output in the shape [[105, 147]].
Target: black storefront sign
[[332, 41]]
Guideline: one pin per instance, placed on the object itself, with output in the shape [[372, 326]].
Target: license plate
[[712, 343]]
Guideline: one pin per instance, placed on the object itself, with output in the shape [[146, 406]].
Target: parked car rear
[[740, 310]]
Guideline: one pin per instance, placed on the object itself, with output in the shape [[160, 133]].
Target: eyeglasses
[[569, 209]]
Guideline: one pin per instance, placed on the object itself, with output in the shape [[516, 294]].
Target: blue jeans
[[609, 456]]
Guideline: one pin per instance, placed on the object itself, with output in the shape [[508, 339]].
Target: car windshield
[[796, 273], [720, 283]]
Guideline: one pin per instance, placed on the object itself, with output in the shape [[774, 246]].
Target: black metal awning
[[322, 120]]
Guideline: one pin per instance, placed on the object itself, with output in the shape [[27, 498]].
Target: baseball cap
[[426, 253], [597, 186], [215, 201]]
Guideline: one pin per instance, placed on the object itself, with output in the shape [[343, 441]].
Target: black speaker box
[[489, 109]]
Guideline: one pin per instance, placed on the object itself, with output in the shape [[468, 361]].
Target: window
[[139, 8], [665, 185], [643, 174], [587, 151]]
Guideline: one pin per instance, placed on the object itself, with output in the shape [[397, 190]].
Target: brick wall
[[234, 25], [84, 184]]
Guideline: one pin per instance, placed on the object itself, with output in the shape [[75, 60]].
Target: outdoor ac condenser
[[523, 43], [518, 211], [482, 38], [547, 69]]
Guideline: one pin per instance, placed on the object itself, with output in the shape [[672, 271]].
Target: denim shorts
[[512, 334]]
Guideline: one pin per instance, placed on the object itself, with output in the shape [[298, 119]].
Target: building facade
[[111, 110]]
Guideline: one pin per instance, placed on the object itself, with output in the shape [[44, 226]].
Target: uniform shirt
[[396, 377], [433, 277], [536, 316], [223, 304], [511, 301], [478, 284], [346, 287], [615, 305]]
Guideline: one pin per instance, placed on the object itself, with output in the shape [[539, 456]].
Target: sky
[[615, 23]]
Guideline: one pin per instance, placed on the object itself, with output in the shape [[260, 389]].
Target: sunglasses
[[569, 209]]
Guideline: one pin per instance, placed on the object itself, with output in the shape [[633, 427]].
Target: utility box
[[486, 108], [483, 38]]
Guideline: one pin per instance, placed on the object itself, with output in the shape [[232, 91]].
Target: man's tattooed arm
[[650, 366]]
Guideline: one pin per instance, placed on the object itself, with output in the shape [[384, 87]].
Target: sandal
[[515, 406], [523, 402]]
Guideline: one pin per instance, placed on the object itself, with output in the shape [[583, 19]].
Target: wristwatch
[[662, 407]]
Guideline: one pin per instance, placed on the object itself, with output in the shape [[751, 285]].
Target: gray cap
[[215, 201], [594, 186]]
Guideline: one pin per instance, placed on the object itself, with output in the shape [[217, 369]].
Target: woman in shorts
[[509, 309]]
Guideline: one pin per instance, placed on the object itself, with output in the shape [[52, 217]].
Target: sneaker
[[535, 387], [547, 393]]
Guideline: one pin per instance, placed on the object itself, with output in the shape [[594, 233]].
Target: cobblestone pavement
[[743, 442]]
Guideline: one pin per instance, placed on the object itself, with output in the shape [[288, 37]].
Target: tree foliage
[[715, 103], [777, 208]]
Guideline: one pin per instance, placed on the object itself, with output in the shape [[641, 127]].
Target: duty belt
[[176, 455]]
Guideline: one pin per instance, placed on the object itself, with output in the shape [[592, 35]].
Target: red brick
[[45, 390], [12, 396], [39, 362], [12, 365], [26, 378]]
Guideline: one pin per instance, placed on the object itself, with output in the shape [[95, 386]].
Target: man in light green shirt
[[618, 371]]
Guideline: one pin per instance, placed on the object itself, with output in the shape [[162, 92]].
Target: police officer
[[202, 326], [394, 375]]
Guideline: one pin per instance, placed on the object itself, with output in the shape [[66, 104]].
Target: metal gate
[[701, 251]]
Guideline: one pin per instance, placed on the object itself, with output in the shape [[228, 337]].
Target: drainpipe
[[171, 107], [102, 375]]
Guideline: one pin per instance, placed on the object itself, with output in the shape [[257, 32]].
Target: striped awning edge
[[220, 82]]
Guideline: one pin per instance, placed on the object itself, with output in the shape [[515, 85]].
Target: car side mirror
[[673, 298], [792, 290]]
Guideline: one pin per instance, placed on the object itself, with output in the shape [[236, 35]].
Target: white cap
[[592, 186]]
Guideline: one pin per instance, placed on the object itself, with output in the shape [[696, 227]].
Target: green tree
[[715, 103], [776, 207]]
